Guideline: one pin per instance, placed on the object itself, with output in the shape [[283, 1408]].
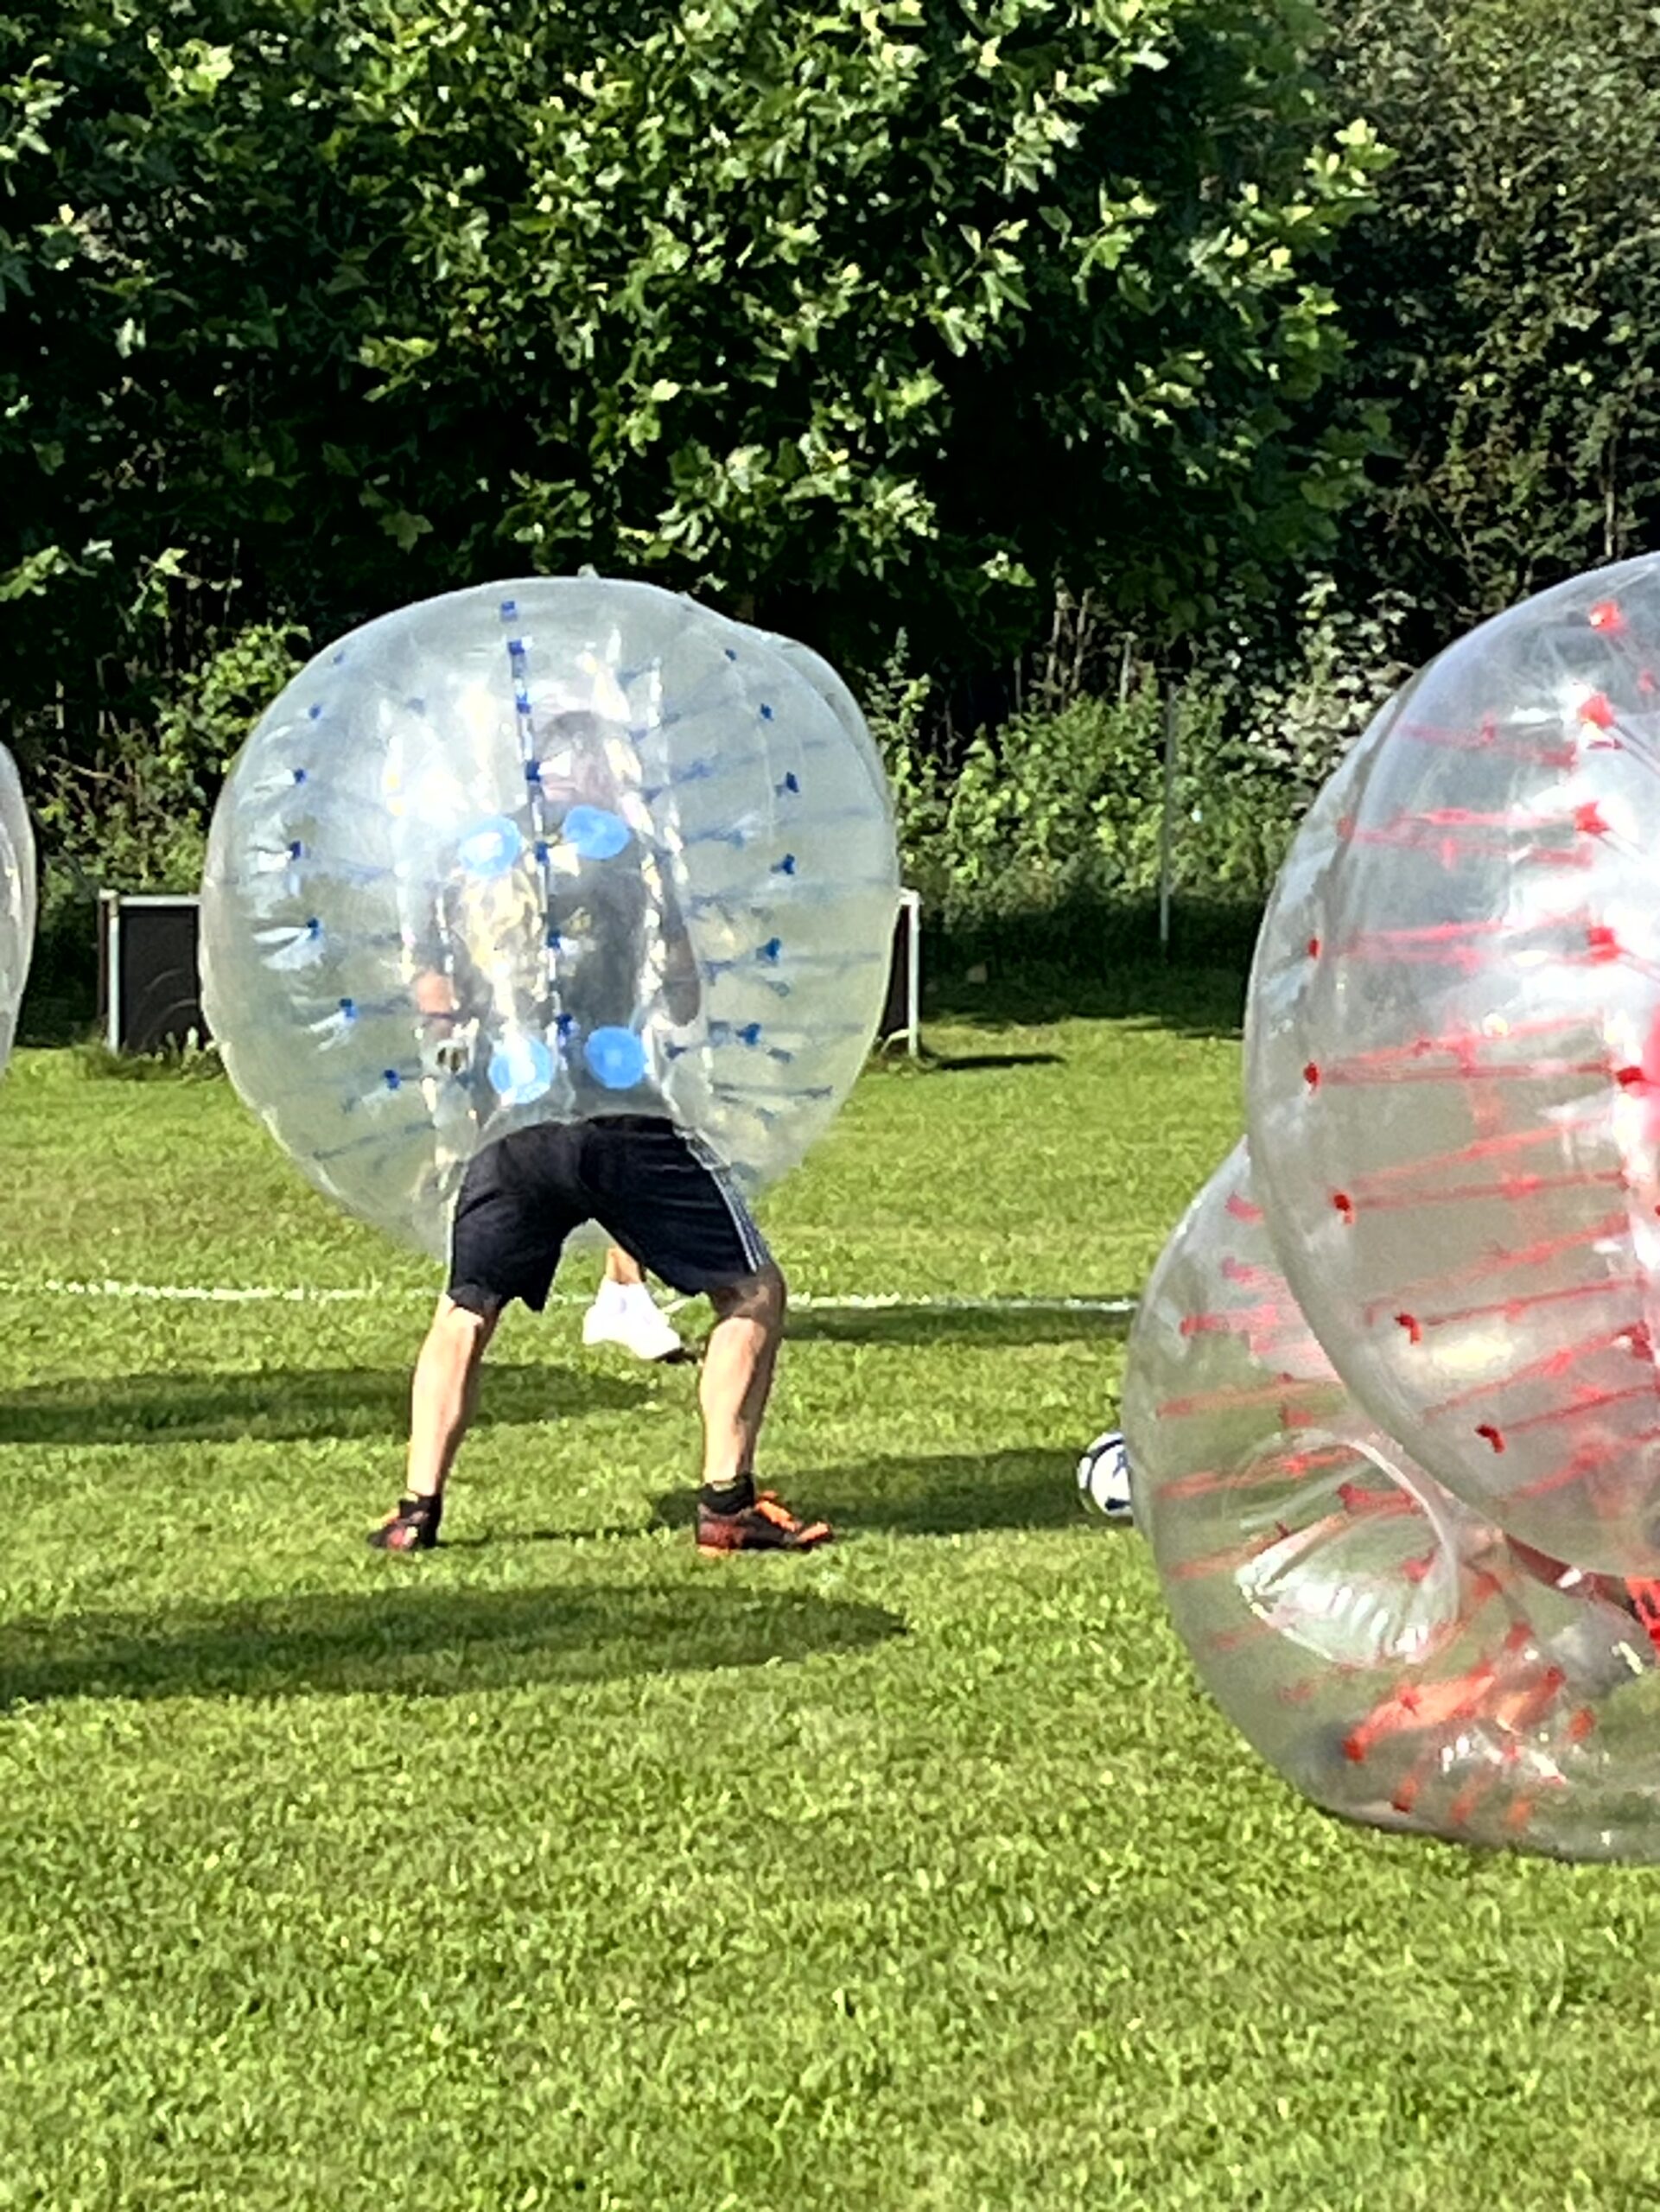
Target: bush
[[192, 1061], [1502, 301], [1046, 829], [136, 820], [1058, 808]]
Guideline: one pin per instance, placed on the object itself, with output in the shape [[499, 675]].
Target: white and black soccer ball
[[1104, 1484]]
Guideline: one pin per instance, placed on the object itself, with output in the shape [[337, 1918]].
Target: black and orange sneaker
[[411, 1526], [761, 1523]]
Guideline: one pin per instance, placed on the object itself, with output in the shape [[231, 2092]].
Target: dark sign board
[[149, 993]]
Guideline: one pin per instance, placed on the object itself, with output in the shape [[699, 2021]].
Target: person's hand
[[447, 1045]]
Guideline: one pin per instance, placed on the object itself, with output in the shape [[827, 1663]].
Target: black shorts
[[661, 1194]]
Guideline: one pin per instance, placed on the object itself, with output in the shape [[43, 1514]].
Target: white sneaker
[[626, 1314]]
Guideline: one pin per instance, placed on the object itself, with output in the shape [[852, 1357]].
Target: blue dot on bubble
[[299, 775], [521, 1070], [615, 1058], [595, 833], [314, 713], [490, 848]]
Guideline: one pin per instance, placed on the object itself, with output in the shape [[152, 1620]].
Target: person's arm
[[435, 995], [683, 989], [447, 1047]]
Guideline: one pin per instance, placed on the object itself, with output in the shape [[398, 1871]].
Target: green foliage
[[137, 819], [1296, 696], [1050, 805], [1504, 297], [898, 703], [1056, 809], [823, 309], [192, 1061]]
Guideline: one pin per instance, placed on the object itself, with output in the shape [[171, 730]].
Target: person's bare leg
[[737, 1377], [442, 1399], [445, 1393], [622, 1266]]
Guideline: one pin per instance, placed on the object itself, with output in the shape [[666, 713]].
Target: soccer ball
[[1104, 1484]]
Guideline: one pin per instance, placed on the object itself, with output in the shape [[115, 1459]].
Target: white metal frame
[[912, 902]]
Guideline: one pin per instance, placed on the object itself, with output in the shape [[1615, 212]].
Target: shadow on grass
[[1099, 960], [286, 1404], [911, 1325], [981, 1063], [945, 1494], [417, 1642], [1205, 1001]]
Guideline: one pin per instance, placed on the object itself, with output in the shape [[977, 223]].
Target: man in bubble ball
[[659, 1194]]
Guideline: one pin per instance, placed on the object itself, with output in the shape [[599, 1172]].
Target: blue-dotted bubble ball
[[16, 900], [833, 691], [538, 852]]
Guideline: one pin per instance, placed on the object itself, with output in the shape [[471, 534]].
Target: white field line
[[196, 1293]]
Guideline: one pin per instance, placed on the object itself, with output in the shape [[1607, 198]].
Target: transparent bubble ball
[[541, 851], [1453, 1070], [16, 900], [1394, 1653]]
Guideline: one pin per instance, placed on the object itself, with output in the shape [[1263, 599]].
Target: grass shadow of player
[[287, 1405], [425, 1642], [989, 1326], [936, 1494]]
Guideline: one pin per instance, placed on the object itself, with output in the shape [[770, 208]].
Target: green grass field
[[564, 1867]]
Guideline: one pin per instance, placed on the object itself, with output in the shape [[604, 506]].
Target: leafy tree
[[1504, 296], [855, 312]]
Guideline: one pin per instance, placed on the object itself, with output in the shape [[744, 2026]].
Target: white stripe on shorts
[[749, 1235]]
